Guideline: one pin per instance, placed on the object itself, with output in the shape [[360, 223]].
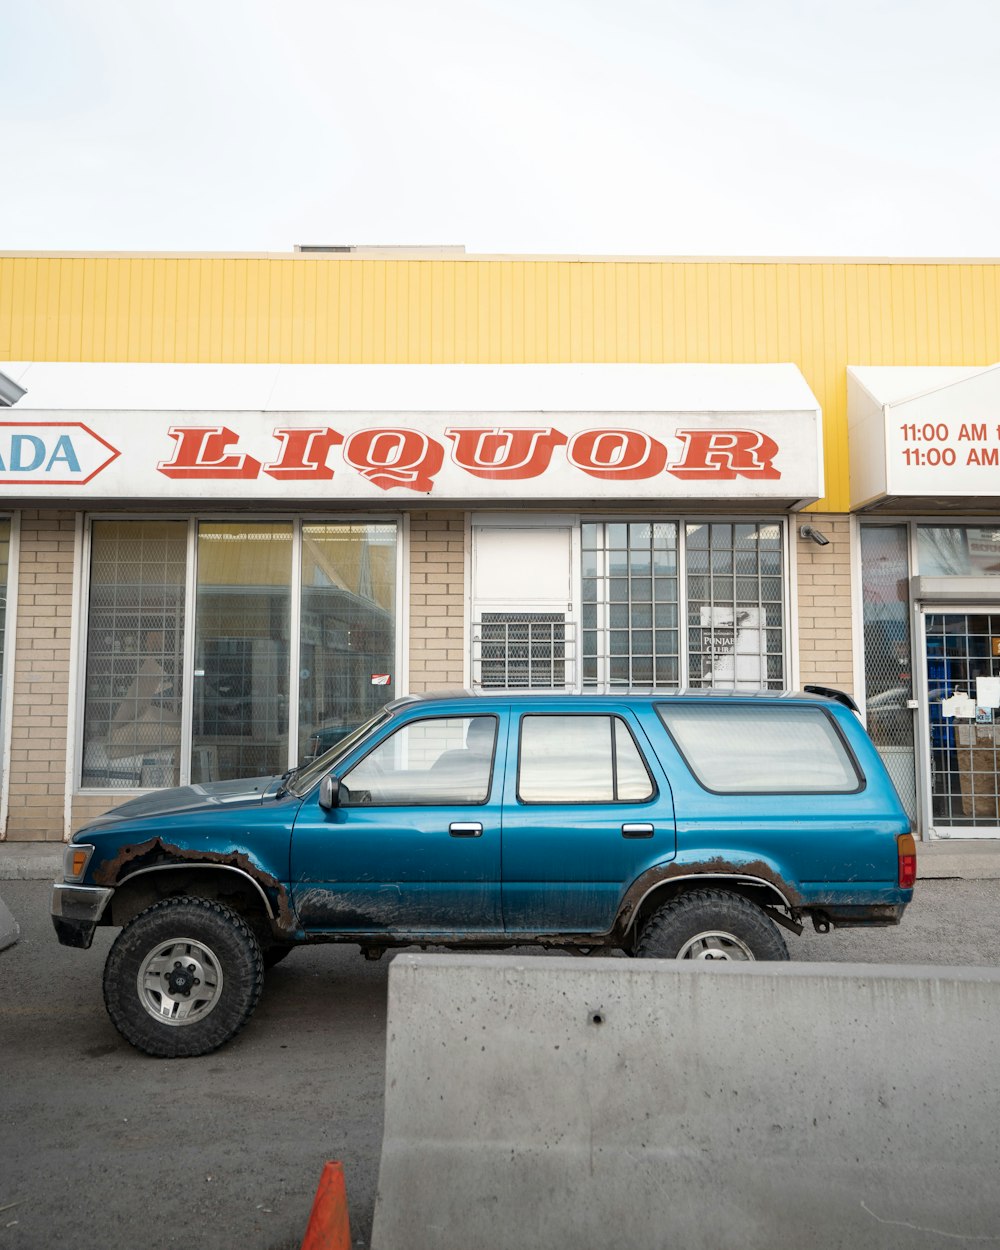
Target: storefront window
[[135, 644], [241, 650], [735, 605], [958, 550], [888, 654], [244, 619], [632, 595], [4, 570], [348, 639], [629, 621]]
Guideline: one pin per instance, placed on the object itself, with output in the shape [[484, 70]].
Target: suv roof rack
[[838, 696]]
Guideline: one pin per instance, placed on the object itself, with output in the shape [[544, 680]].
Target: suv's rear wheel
[[710, 924], [183, 977]]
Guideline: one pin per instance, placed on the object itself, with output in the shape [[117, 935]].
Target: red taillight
[[907, 850]]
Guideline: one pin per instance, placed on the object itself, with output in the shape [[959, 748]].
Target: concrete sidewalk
[[972, 860], [31, 861]]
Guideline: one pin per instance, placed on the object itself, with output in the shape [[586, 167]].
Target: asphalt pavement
[[101, 1146]]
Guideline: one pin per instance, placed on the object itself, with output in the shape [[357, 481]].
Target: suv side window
[[740, 749], [443, 759], [580, 759]]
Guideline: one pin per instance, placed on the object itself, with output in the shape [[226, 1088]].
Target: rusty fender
[[708, 871], [155, 853]]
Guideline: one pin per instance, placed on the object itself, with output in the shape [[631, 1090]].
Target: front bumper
[[76, 912]]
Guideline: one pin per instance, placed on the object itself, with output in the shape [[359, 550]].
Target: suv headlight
[[75, 860]]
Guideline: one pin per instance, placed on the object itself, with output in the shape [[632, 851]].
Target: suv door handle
[[466, 829], [637, 831]]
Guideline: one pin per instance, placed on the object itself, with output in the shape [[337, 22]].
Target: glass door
[[962, 674]]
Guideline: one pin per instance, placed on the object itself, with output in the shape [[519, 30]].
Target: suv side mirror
[[329, 792]]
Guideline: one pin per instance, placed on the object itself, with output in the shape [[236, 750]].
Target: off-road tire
[[706, 924], [215, 929]]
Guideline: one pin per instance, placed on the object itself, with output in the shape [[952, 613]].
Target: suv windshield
[[303, 779]]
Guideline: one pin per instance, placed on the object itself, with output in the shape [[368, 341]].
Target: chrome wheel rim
[[180, 981], [714, 944]]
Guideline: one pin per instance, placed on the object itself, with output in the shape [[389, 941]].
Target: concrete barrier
[[562, 1103], [9, 930]]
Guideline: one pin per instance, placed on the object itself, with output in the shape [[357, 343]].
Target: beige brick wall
[[826, 654], [437, 600], [40, 717]]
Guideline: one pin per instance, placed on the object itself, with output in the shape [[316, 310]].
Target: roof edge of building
[[447, 254]]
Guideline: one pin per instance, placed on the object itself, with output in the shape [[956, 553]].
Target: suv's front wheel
[[183, 977], [710, 925]]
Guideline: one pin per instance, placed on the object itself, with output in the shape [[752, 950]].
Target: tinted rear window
[[741, 749]]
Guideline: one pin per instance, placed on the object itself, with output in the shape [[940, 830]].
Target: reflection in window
[[444, 759], [348, 630], [776, 750], [244, 620], [135, 641], [735, 613], [888, 654], [241, 650], [958, 550], [580, 759]]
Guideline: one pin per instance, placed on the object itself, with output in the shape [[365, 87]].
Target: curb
[[969, 860], [31, 861]]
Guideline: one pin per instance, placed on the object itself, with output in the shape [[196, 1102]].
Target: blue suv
[[688, 826]]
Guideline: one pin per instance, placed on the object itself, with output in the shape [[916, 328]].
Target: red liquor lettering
[[395, 457], [499, 452], [303, 454], [202, 451], [617, 455], [725, 454]]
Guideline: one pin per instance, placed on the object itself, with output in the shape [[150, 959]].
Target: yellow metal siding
[[302, 310]]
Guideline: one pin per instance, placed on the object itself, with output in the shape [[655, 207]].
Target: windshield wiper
[[286, 778]]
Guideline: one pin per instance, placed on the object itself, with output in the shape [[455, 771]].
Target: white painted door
[[524, 591]]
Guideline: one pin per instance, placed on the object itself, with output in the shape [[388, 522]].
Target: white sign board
[[928, 436], [375, 456]]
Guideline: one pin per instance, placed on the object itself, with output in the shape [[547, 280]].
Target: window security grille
[[635, 598], [630, 605], [522, 651], [135, 641], [735, 605], [965, 751]]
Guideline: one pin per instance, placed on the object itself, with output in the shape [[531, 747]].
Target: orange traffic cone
[[329, 1227]]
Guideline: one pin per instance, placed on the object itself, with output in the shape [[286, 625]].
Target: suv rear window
[[741, 749]]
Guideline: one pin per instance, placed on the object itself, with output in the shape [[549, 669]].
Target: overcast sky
[[668, 127]]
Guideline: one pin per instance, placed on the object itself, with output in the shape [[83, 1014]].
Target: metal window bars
[[523, 651]]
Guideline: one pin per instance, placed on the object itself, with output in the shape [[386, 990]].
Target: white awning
[[378, 433], [924, 437]]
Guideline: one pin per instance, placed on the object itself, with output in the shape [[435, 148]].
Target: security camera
[[810, 531], [10, 392]]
